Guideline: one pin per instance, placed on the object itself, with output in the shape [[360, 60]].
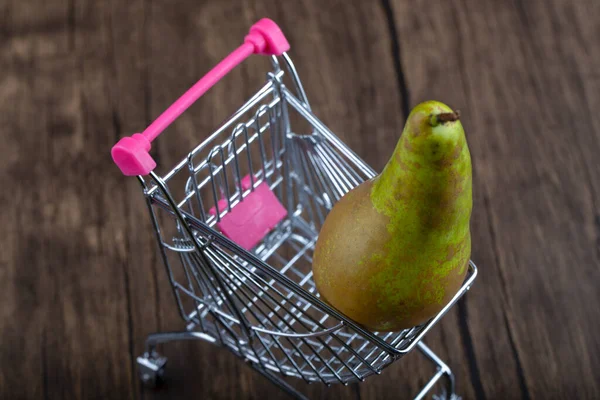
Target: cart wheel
[[444, 396], [152, 369]]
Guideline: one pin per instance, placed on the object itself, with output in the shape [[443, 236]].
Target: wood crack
[[515, 352], [147, 53], [495, 249], [397, 57], [71, 25], [496, 252], [132, 356], [469, 348], [44, 356], [597, 226], [356, 390], [117, 127], [589, 182]]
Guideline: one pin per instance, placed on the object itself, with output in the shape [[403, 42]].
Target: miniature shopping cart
[[237, 221]]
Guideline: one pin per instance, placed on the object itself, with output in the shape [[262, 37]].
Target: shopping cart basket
[[237, 221]]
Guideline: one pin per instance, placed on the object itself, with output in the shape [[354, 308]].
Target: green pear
[[395, 249]]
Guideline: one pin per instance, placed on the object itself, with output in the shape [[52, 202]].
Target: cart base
[[151, 367]]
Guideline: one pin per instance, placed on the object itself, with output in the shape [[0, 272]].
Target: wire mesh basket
[[237, 220]]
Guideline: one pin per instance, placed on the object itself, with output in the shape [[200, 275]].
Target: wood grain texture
[[534, 214], [81, 283]]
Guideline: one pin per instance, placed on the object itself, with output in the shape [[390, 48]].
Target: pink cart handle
[[131, 154]]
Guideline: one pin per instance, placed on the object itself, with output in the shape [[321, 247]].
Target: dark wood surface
[[80, 279]]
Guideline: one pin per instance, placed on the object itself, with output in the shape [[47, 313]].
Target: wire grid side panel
[[322, 177], [200, 294], [319, 176], [206, 186], [252, 151], [289, 333], [224, 294]]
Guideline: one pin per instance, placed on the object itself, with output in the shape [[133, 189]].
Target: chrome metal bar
[[198, 303], [234, 292], [429, 385], [334, 175], [325, 131], [196, 189], [263, 154], [301, 336], [308, 199], [316, 170], [164, 337], [348, 170], [234, 155], [296, 79], [267, 89], [443, 371], [274, 340], [282, 384], [158, 235], [335, 165]]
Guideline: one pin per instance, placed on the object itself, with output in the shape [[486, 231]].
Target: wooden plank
[[533, 219], [32, 29], [65, 296], [125, 27], [568, 173], [71, 338], [23, 270]]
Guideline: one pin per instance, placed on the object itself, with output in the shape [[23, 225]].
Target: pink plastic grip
[[253, 218], [131, 154]]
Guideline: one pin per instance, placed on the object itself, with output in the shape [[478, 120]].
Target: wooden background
[[80, 279]]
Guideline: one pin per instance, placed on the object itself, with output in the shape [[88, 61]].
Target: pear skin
[[395, 249]]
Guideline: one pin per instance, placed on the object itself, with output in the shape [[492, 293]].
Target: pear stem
[[437, 119]]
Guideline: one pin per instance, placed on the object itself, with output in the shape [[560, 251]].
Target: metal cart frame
[[260, 303]]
